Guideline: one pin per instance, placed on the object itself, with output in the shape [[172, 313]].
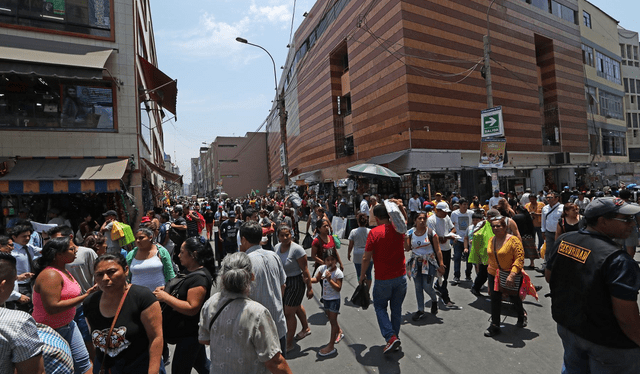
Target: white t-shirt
[[414, 205], [359, 238], [493, 201], [364, 207], [442, 227], [461, 221], [328, 292], [148, 273], [420, 244]]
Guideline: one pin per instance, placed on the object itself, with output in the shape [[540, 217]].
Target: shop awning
[[49, 58], [308, 177], [407, 161], [167, 175], [387, 158], [64, 175], [160, 87]]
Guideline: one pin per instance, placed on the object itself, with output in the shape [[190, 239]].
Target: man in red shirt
[[385, 246]]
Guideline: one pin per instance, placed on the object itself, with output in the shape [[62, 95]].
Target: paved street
[[451, 342]]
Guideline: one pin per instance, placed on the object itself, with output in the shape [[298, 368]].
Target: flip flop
[[339, 338], [335, 350], [302, 334]]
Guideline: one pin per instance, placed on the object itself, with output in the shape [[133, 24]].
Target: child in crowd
[[331, 276]]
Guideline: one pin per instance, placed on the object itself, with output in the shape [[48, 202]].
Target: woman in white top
[[357, 242], [149, 263], [426, 259]]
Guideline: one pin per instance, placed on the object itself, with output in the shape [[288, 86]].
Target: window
[[626, 85], [623, 50], [345, 104], [49, 102], [227, 160], [145, 124], [613, 143], [629, 55], [563, 12], [542, 4], [638, 86], [89, 17], [629, 120], [586, 17], [227, 145], [587, 55], [635, 120], [635, 52], [633, 98], [632, 86], [610, 105], [592, 99], [608, 68]]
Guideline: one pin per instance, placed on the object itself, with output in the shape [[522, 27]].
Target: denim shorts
[[332, 306]]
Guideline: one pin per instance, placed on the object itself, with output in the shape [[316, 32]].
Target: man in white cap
[[594, 290], [442, 225]]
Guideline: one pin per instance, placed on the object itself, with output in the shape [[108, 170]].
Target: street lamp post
[[280, 107]]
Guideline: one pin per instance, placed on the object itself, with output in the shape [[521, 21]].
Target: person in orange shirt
[[534, 207]]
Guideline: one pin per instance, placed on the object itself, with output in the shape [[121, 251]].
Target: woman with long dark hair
[[55, 297], [183, 298]]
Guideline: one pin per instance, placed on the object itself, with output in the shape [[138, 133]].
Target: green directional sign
[[491, 121]]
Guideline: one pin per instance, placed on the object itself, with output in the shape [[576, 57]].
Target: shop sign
[[491, 120], [283, 158], [424, 176], [492, 152]]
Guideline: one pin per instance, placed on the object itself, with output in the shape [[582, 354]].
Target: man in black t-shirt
[[594, 291], [228, 231]]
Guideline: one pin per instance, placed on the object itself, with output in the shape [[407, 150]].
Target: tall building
[[81, 107], [238, 165], [400, 83], [604, 92], [631, 78]]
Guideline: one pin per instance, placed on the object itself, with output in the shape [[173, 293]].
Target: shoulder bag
[[502, 277], [113, 324]]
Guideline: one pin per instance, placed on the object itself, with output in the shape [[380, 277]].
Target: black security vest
[[581, 301]]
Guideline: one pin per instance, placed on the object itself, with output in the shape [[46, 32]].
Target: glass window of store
[[32, 102], [89, 17]]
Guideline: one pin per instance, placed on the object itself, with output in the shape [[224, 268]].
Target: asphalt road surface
[[450, 342]]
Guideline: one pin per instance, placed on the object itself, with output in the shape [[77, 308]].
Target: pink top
[[70, 289]]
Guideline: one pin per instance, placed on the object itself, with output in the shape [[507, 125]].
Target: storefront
[[72, 186]]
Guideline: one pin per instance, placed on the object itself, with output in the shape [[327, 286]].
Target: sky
[[225, 88]]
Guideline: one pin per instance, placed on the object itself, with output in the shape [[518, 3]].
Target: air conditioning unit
[[562, 158]]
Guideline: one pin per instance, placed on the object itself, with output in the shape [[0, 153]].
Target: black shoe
[[475, 292], [538, 288], [522, 322], [540, 269], [434, 307], [417, 315], [493, 330]]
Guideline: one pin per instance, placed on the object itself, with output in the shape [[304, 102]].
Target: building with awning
[[82, 102]]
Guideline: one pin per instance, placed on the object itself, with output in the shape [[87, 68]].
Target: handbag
[[116, 231], [501, 285], [307, 241], [361, 297], [113, 324]]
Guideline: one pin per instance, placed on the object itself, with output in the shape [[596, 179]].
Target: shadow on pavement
[[515, 337], [318, 319], [426, 320], [386, 364]]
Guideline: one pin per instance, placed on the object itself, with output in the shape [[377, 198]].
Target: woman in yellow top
[[508, 250]]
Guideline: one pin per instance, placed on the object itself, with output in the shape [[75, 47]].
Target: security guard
[[594, 290]]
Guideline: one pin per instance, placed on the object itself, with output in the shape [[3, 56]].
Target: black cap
[[110, 213]]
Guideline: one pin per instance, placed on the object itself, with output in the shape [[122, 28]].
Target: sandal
[[328, 353], [339, 338], [302, 334]]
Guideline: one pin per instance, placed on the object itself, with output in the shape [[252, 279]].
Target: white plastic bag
[[397, 219]]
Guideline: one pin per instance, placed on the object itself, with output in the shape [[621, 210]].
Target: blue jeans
[[81, 322], [458, 250], [424, 283], [71, 333], [189, 353], [584, 357], [359, 269], [389, 291], [540, 237]]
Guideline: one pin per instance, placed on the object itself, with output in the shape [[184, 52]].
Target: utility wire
[[293, 15]]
